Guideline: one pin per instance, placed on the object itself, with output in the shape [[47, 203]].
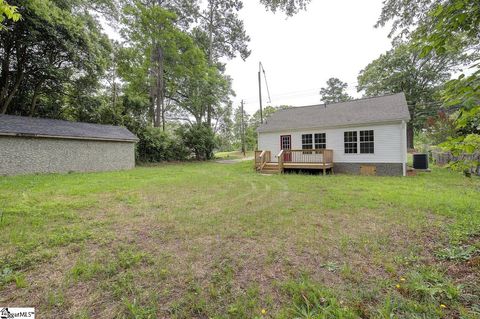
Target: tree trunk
[[410, 134], [5, 75], [5, 103], [412, 109], [36, 94], [210, 55], [8, 96], [159, 87], [152, 88]]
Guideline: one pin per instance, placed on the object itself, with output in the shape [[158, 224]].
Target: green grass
[[207, 240], [233, 155]]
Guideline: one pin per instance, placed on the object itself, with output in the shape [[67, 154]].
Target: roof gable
[[39, 127], [356, 112]]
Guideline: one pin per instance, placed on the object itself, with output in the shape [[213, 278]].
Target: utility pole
[[243, 133], [260, 67]]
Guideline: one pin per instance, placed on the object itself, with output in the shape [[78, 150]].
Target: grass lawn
[[207, 240]]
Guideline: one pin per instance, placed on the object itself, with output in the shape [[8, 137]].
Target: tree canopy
[[290, 7], [8, 12], [335, 91]]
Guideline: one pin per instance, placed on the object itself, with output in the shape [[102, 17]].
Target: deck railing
[[280, 160], [307, 156], [262, 158]]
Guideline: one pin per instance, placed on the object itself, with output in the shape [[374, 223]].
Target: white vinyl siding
[[389, 146]]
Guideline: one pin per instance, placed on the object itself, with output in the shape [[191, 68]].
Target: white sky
[[332, 38]]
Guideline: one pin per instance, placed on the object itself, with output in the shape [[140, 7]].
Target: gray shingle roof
[[30, 126], [356, 112]]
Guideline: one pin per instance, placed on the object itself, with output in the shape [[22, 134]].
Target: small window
[[307, 142], [350, 142], [320, 141], [366, 142]]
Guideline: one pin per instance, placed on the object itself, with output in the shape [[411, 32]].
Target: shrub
[[157, 146], [199, 139]]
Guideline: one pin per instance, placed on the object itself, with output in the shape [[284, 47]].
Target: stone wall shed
[[34, 145]]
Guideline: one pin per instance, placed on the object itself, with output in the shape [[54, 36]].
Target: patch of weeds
[[348, 273], [128, 258], [20, 281], [407, 260], [7, 275], [134, 309], [82, 314], [26, 257], [388, 309], [68, 235], [330, 266], [127, 199], [221, 282], [192, 305], [246, 305], [399, 307], [123, 285], [311, 300], [55, 298], [429, 285], [106, 266], [458, 253], [273, 256], [85, 270]]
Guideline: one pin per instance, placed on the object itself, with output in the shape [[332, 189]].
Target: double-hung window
[[320, 141], [350, 142], [366, 142], [363, 145], [307, 142]]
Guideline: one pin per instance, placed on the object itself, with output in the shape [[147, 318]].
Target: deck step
[[270, 171], [270, 168]]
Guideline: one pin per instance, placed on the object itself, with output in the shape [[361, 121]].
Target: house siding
[[25, 155], [389, 145]]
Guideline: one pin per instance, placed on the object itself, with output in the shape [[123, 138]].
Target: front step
[[270, 168]]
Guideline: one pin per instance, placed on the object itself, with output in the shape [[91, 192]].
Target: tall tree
[[335, 91], [153, 33], [56, 51], [221, 33], [403, 69]]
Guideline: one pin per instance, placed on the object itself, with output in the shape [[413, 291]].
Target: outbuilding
[[35, 145], [364, 136]]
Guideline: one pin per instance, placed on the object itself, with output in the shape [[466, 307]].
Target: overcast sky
[[333, 38]]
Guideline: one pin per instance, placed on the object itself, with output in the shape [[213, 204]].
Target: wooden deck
[[319, 159]]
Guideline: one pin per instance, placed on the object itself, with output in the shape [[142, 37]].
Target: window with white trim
[[367, 142], [320, 141], [350, 142], [307, 142]]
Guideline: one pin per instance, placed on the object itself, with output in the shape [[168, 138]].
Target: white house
[[365, 136]]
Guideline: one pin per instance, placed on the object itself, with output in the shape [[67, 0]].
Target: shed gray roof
[[38, 127], [356, 112]]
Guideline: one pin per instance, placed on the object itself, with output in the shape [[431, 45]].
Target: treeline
[[165, 81]]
